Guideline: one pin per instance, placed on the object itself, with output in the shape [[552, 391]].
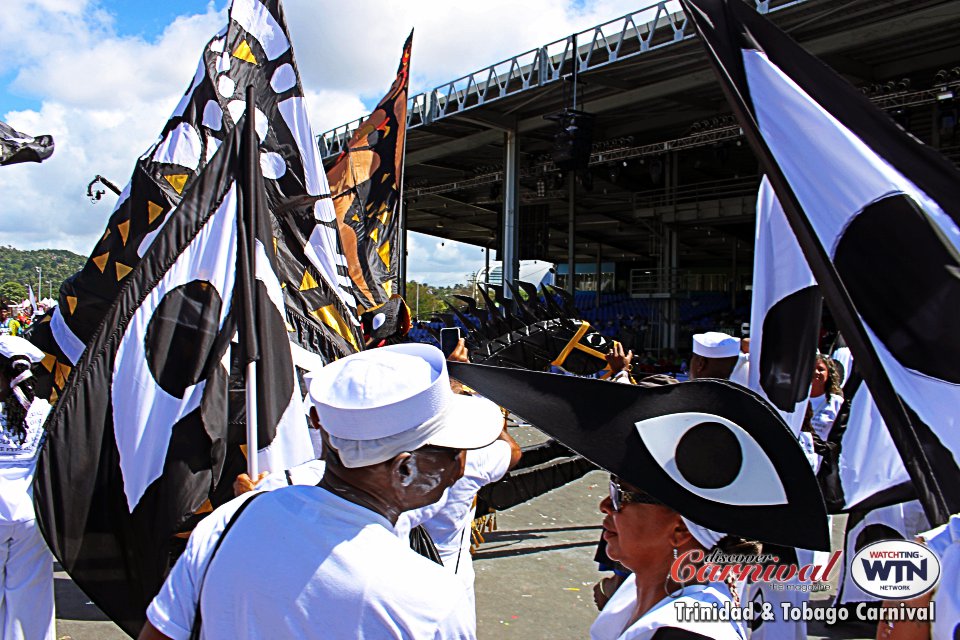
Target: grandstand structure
[[663, 216]]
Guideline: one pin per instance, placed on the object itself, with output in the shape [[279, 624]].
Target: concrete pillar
[[511, 209]]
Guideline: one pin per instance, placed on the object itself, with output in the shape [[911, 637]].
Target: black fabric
[[16, 147], [521, 485], [785, 366], [598, 419], [922, 275], [674, 633], [116, 557], [422, 543]]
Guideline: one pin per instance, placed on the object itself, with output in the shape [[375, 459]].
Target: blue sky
[[102, 76]]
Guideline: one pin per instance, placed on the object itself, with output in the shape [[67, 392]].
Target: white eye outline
[[756, 484], [594, 339]]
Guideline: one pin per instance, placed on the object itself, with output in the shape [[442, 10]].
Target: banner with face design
[[711, 450], [854, 187]]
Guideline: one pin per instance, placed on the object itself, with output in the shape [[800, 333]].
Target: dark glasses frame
[[620, 497]]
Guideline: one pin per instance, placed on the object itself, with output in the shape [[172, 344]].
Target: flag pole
[[247, 227], [835, 293]]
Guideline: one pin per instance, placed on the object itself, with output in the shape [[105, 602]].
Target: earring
[[666, 581]]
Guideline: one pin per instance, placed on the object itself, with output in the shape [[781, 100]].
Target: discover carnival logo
[[895, 569]]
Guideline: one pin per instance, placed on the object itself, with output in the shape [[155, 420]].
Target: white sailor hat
[[381, 402], [15, 346], [714, 344]]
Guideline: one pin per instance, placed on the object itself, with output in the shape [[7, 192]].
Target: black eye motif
[[713, 458], [709, 449], [595, 340]]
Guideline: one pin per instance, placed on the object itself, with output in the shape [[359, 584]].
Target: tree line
[[18, 268]]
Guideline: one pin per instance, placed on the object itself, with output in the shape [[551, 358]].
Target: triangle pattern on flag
[[72, 301], [309, 282], [124, 229], [243, 52], [101, 262], [122, 270], [153, 211], [178, 181], [384, 252]]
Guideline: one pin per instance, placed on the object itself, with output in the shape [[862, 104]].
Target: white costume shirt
[[309, 473], [448, 520], [824, 414], [945, 542], [18, 464], [611, 624], [301, 562]]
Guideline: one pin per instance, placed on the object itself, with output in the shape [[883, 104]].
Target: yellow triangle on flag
[[124, 229], [388, 287], [178, 181], [61, 374], [375, 234], [384, 217], [384, 253], [332, 318], [276, 246], [53, 395], [48, 362], [355, 218], [308, 282], [106, 234], [153, 210], [72, 301], [122, 271], [101, 262], [243, 52]]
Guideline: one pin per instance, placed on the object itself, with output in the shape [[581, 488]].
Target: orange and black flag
[[366, 182]]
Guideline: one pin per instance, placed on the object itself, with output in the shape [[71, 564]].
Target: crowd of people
[[371, 538]]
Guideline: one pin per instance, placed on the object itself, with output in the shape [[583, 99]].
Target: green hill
[[20, 268]]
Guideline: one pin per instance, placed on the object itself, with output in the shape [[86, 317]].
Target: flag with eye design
[[877, 215], [711, 450], [254, 48], [144, 434]]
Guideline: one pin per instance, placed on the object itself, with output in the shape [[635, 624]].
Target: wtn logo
[[902, 569], [895, 569]]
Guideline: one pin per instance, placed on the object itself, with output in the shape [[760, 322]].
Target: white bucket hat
[[381, 402]]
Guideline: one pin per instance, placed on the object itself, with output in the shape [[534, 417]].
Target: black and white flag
[[854, 186], [16, 147], [785, 314]]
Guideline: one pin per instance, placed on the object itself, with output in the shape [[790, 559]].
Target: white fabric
[[310, 473], [945, 542], [741, 371], [611, 624], [714, 344], [378, 403], [825, 412], [301, 562], [834, 175], [869, 460], [779, 270], [708, 538], [780, 628], [26, 583], [845, 358], [13, 346], [449, 520], [18, 464]]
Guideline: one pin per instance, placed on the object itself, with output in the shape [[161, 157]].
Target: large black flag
[[876, 213], [253, 49], [19, 147]]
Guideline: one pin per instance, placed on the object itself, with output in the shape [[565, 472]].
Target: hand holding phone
[[449, 338]]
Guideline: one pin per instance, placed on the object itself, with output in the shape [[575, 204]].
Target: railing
[[647, 29]]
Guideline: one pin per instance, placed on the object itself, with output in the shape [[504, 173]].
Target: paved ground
[[535, 574]]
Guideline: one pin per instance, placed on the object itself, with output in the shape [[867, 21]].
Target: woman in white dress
[[646, 536], [26, 578]]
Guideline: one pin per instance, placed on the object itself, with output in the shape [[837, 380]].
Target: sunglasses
[[619, 497]]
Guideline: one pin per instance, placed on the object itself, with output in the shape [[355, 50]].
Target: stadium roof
[[666, 153]]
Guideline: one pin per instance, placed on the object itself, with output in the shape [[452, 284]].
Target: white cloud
[[104, 96], [441, 262]]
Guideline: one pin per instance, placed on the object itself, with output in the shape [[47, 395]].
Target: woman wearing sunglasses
[[647, 536]]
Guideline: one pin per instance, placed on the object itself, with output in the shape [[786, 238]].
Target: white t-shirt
[[308, 473], [824, 414], [301, 562], [611, 624], [18, 464], [448, 520]]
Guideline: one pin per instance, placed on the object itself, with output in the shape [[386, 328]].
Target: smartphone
[[449, 338]]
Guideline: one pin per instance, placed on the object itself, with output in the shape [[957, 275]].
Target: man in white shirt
[[324, 562]]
